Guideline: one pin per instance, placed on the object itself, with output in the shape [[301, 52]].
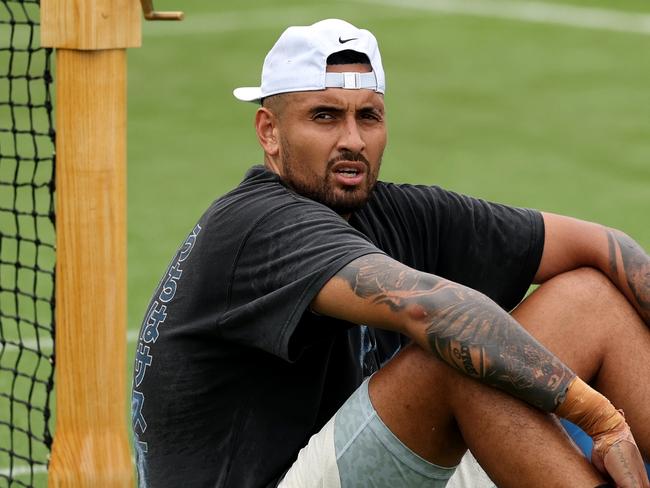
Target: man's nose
[[351, 138]]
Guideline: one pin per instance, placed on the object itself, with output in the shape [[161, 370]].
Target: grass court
[[535, 104]]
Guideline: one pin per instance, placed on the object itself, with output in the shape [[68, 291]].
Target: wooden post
[[91, 446]]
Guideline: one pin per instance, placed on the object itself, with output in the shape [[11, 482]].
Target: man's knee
[[578, 315], [583, 286], [416, 371], [572, 297], [413, 394]]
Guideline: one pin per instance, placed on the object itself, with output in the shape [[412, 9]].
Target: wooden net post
[[91, 446]]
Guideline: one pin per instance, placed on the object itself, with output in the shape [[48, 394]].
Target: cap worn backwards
[[298, 61]]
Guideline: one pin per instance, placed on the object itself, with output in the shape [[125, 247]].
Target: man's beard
[[343, 201]]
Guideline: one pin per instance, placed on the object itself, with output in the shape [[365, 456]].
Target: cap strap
[[351, 81]]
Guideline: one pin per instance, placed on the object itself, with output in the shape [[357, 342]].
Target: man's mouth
[[349, 173]]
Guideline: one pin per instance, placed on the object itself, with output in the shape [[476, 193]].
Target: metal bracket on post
[[151, 14]]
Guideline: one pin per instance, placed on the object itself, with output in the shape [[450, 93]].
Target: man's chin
[[342, 200], [347, 204]]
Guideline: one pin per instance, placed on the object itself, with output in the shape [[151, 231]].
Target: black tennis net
[[27, 247]]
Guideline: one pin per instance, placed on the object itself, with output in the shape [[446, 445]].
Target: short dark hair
[[347, 57]]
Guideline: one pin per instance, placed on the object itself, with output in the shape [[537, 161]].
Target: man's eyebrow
[[371, 109], [324, 107]]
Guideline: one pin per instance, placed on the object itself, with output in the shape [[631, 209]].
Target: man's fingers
[[624, 464], [616, 453]]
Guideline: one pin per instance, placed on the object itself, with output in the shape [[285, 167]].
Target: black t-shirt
[[233, 373]]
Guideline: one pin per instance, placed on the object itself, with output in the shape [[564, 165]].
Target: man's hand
[[615, 452]]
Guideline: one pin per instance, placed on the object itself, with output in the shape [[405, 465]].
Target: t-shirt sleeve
[[282, 264], [490, 247]]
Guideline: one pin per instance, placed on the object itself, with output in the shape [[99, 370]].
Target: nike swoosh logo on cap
[[343, 41]]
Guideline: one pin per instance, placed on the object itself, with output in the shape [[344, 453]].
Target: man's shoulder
[[260, 191], [387, 195], [408, 190], [259, 195]]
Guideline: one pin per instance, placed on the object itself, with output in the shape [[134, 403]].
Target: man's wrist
[[588, 409]]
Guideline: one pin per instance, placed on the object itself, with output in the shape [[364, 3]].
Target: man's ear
[[266, 126]]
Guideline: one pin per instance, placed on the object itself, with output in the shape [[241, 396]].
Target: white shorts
[[356, 449]]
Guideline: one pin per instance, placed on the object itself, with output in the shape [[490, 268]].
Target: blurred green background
[[539, 104], [543, 115]]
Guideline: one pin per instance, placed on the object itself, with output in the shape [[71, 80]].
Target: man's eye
[[323, 116], [370, 116]]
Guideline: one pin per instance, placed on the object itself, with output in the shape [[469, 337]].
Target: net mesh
[[26, 247]]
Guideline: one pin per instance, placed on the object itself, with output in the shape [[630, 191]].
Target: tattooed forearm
[[465, 329], [477, 336], [635, 267], [388, 284]]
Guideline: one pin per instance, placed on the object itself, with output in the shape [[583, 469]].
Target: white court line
[[522, 11], [132, 335], [24, 470], [537, 12], [46, 344]]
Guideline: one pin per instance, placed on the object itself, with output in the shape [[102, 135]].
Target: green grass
[[26, 239], [551, 117], [538, 115]]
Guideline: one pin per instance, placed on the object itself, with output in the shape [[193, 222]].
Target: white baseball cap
[[298, 61]]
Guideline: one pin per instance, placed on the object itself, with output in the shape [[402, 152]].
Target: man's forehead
[[338, 97]]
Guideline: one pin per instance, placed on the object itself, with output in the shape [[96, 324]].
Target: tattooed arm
[[461, 326], [473, 334], [572, 243]]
